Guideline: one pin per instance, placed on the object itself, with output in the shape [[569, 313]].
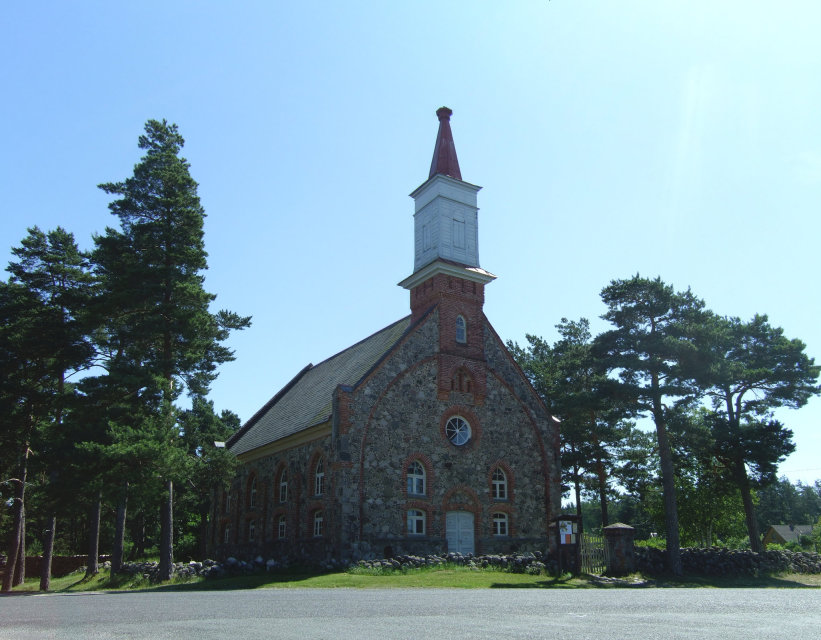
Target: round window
[[457, 430]]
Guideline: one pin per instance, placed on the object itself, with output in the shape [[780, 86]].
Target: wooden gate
[[593, 552]]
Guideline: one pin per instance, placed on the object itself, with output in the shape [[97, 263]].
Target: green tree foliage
[[646, 349], [44, 342], [573, 384], [782, 502], [160, 335], [749, 369], [709, 507], [209, 468]]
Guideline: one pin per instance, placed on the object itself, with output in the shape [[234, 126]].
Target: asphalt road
[[644, 614]]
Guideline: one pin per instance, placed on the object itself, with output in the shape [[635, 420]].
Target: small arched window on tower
[[461, 330]]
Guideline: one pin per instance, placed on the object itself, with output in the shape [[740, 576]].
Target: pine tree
[[749, 369], [45, 341], [161, 336], [647, 348]]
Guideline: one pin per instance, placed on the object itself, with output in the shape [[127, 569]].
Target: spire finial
[[444, 153]]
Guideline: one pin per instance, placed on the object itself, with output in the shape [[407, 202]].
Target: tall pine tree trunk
[[743, 483], [138, 537], [119, 532], [20, 569], [17, 539], [48, 552], [668, 483], [94, 537], [167, 534]]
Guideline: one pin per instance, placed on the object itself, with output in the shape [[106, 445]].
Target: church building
[[424, 437]]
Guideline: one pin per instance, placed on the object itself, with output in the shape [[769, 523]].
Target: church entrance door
[[459, 531]]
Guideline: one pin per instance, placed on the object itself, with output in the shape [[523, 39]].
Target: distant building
[[424, 437], [784, 533]]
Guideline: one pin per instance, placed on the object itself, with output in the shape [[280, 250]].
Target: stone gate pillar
[[619, 540]]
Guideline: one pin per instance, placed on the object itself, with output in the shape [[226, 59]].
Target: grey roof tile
[[306, 400]]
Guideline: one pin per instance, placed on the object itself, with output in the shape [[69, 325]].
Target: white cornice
[[476, 274], [446, 179]]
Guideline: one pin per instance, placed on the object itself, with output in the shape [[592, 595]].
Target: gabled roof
[[792, 532], [306, 400]]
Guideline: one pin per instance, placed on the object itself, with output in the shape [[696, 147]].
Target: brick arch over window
[[252, 491], [473, 421], [315, 508], [424, 507], [506, 508], [366, 432], [282, 512], [461, 498], [318, 474], [461, 381], [543, 453], [427, 465], [509, 480], [282, 493], [451, 366]]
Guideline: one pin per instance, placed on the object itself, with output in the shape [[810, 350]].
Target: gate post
[[619, 540]]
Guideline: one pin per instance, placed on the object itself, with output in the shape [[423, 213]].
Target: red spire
[[444, 153]]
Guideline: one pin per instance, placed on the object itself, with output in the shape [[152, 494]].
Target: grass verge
[[452, 577]]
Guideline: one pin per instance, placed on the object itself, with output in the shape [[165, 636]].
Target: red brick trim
[[504, 466], [313, 508], [366, 429], [426, 508], [250, 482], [281, 467], [542, 451], [316, 456], [289, 525], [427, 465], [473, 506], [502, 508], [473, 421]]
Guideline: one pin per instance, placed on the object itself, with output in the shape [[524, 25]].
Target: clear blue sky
[[680, 139]]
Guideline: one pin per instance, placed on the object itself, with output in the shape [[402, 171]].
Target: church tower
[[446, 267]]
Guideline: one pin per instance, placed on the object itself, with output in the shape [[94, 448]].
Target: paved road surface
[[626, 614]]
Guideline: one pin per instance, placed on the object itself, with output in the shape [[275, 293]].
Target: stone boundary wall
[[60, 565], [718, 561]]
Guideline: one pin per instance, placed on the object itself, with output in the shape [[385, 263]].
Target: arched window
[[283, 486], [228, 502], [416, 522], [500, 522], [281, 527], [252, 530], [319, 524], [319, 477], [416, 478], [461, 330], [252, 494], [499, 484], [226, 534]]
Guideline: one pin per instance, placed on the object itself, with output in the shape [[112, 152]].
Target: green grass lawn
[[451, 576]]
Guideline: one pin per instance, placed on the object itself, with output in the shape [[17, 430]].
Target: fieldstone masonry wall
[[396, 416]]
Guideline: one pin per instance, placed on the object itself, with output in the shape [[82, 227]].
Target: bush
[[652, 543]]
